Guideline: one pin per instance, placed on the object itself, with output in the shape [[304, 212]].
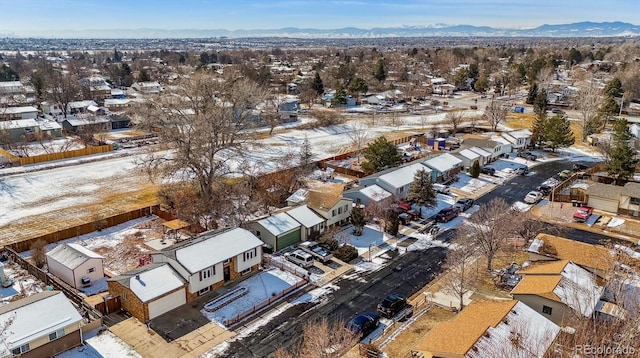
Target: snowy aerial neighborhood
[[349, 201]]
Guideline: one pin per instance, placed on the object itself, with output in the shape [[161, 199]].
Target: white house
[[492, 145], [443, 166], [212, 258], [151, 87], [468, 157], [312, 223], [335, 209], [519, 139], [75, 264], [372, 194], [42, 325], [278, 231], [397, 181], [484, 155], [16, 113]]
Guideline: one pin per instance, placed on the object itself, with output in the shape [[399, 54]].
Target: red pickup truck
[[582, 214]]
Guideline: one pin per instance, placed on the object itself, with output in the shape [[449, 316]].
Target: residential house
[[520, 139], [49, 128], [443, 166], [336, 209], [605, 197], [506, 146], [75, 265], [96, 88], [630, 199], [558, 290], [213, 258], [289, 109], [151, 87], [81, 107], [484, 155], [312, 224], [76, 124], [21, 130], [17, 113], [398, 180], [41, 325], [149, 291], [593, 258], [50, 108], [15, 93], [489, 145], [117, 104], [369, 195], [468, 157], [278, 231], [486, 329]]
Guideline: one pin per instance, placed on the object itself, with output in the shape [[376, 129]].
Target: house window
[[124, 296], [226, 261], [55, 335], [244, 272], [546, 310], [204, 290], [249, 255], [634, 201], [93, 269], [333, 212], [22, 349], [339, 210], [346, 208], [206, 273]]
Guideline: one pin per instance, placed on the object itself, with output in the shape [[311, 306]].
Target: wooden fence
[[12, 158], [82, 229], [65, 155], [579, 196]]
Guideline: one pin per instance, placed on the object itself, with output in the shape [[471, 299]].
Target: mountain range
[[578, 29]]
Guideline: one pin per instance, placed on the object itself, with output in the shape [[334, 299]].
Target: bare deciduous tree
[[587, 102], [495, 113], [38, 253], [63, 89], [359, 134], [321, 339], [454, 119], [462, 275]]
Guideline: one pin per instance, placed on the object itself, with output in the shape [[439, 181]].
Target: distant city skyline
[[49, 18]]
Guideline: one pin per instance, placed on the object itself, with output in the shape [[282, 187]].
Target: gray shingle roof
[[606, 191]]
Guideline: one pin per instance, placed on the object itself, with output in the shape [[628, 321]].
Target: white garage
[[605, 197], [167, 303]]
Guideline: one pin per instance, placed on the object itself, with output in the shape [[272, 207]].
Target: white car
[[533, 197]]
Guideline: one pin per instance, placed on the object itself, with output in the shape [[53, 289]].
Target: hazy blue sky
[[22, 17]]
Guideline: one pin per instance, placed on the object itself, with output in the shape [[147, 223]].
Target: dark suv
[[447, 214], [363, 324], [391, 305], [488, 171], [528, 156]]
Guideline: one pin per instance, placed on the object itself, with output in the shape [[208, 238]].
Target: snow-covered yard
[[101, 344], [260, 288], [371, 236], [470, 185]]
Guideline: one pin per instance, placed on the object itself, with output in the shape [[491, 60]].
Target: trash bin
[[574, 203]]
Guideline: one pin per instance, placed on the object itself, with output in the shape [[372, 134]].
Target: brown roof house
[[558, 290], [490, 329], [42, 325], [336, 209], [630, 199], [593, 258], [605, 197]]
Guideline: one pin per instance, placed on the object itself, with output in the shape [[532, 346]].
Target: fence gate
[[112, 304]]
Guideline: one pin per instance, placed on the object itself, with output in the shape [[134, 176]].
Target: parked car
[[300, 258], [521, 170], [447, 214], [363, 324], [579, 167], [565, 174], [582, 214], [392, 305], [533, 197], [441, 188], [316, 251], [488, 170], [557, 111], [528, 156], [464, 204]]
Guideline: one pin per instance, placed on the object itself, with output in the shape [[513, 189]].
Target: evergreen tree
[[610, 106], [380, 154], [306, 156], [380, 71], [538, 128], [357, 86], [540, 102], [117, 55], [392, 222], [533, 92], [558, 132], [317, 85], [143, 76], [482, 83], [357, 219], [622, 158], [8, 74], [340, 97], [421, 190], [474, 171]]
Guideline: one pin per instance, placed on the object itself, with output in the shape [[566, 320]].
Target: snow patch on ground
[[614, 222], [102, 345]]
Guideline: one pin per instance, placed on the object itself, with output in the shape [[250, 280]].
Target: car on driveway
[[464, 204], [488, 170], [316, 251], [363, 324], [441, 188], [579, 167], [582, 214], [447, 214], [521, 170], [565, 174], [533, 197], [528, 156], [392, 305]]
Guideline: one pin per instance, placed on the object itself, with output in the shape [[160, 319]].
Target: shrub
[[330, 243], [346, 253], [474, 171]]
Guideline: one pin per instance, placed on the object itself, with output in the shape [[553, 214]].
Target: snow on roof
[[93, 108], [211, 248], [299, 196], [18, 123], [534, 332], [49, 125], [82, 104], [536, 245], [36, 316], [116, 101], [305, 216], [469, 154], [403, 175], [155, 282], [375, 193], [81, 121], [480, 151], [578, 289], [16, 110], [71, 255], [521, 133], [500, 140], [443, 162], [279, 224]]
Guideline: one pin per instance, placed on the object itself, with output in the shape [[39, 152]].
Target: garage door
[[603, 204], [167, 303]]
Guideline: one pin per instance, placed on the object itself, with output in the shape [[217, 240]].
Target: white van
[[300, 258], [440, 188]]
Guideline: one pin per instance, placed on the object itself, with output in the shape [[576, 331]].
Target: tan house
[[605, 197], [149, 291], [75, 265], [487, 329], [558, 290], [334, 208], [593, 258], [42, 325], [630, 199]]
